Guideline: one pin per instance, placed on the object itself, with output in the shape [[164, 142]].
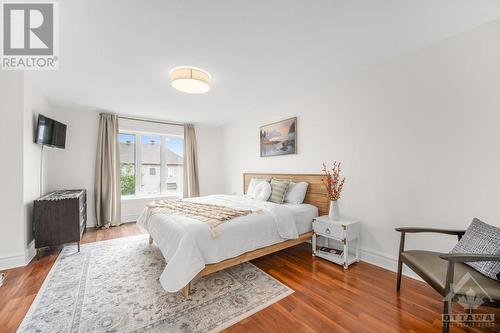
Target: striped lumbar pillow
[[278, 190]]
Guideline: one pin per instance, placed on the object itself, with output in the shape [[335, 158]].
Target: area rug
[[112, 286]]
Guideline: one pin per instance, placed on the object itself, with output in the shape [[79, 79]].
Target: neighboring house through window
[[151, 163], [127, 163]]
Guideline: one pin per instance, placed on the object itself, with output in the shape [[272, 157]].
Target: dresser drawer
[[328, 229]]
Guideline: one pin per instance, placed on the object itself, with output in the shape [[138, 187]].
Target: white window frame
[[137, 167], [135, 162], [163, 165]]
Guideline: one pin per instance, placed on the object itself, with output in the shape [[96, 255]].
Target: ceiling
[[116, 55]]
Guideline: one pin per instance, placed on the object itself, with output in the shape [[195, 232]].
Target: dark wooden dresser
[[60, 217]]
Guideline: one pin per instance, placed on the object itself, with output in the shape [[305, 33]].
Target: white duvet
[[187, 244]]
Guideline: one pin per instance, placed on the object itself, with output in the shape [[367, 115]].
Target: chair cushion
[[432, 269], [481, 238]]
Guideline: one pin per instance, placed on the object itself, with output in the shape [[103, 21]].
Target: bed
[[192, 252]]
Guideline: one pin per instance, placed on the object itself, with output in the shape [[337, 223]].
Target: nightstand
[[338, 236]]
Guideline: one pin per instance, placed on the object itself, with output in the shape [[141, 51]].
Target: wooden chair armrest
[[467, 257], [459, 233], [452, 258], [404, 230]]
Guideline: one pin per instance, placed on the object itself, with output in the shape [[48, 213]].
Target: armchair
[[442, 270]]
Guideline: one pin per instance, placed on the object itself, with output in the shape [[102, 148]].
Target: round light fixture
[[190, 80]]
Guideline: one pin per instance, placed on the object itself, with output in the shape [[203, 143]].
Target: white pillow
[[262, 191], [253, 183], [296, 192]]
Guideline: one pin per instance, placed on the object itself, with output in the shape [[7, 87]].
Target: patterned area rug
[[112, 286]]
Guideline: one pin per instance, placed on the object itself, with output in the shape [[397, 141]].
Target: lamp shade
[[190, 80]]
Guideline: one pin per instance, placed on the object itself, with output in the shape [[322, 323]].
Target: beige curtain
[[191, 187], [107, 173]]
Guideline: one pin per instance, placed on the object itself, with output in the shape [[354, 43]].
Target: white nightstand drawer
[[329, 229], [338, 238]]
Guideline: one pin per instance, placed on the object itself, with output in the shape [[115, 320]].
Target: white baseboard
[[384, 261], [129, 218], [125, 219], [91, 223], [19, 260], [30, 252], [388, 262], [12, 261]]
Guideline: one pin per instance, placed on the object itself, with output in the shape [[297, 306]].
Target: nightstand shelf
[[337, 259], [339, 235]]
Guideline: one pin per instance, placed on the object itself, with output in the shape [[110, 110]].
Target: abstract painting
[[279, 138]]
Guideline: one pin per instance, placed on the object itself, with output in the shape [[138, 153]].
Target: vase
[[334, 214]]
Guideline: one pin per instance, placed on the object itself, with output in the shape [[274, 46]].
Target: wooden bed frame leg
[[150, 240], [186, 291]]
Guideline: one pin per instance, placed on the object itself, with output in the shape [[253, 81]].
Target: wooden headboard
[[316, 192]]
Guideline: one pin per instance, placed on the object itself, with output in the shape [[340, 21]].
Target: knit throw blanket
[[213, 215]]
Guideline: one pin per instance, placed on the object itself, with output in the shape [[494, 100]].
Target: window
[[174, 163], [127, 163], [150, 159], [151, 164]]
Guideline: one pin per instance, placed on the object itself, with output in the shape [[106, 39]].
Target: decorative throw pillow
[[481, 238], [296, 192], [262, 191], [253, 183], [278, 190]]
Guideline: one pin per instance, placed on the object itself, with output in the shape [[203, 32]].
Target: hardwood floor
[[326, 299]]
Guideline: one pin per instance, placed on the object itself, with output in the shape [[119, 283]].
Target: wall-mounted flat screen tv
[[50, 132]]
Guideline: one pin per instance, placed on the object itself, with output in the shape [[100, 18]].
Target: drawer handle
[[327, 230]]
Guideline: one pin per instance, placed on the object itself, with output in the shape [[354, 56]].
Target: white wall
[[12, 235], [34, 103], [209, 140], [418, 138], [74, 166], [21, 103]]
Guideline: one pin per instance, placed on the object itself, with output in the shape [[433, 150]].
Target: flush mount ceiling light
[[190, 80]]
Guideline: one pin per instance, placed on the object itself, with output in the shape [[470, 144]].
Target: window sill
[[149, 197]]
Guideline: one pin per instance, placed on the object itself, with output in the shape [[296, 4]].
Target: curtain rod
[[152, 121]]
